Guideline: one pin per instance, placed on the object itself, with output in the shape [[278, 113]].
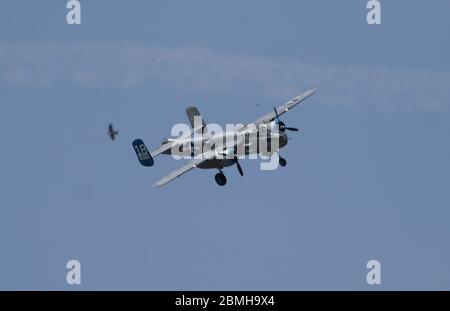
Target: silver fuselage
[[248, 145]]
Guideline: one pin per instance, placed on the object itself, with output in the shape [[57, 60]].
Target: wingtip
[[158, 184]]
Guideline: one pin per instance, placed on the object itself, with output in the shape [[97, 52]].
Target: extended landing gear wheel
[[282, 162], [221, 180]]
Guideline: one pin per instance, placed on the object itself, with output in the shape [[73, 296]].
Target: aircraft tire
[[220, 178]]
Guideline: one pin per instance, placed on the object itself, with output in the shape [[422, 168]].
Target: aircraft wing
[[182, 170], [286, 107], [174, 142], [194, 162], [163, 148]]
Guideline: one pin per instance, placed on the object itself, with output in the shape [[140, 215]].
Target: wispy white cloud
[[205, 70]]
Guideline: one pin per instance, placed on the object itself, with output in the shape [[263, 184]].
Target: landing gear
[[220, 178], [282, 161]]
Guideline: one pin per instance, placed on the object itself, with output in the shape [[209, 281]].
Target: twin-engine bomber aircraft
[[221, 153]]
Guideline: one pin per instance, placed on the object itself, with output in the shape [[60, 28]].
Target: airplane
[[111, 132], [221, 154]]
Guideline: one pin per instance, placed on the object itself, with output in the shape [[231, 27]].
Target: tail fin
[[192, 113], [144, 157]]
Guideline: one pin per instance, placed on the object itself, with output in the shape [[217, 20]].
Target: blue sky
[[367, 178]]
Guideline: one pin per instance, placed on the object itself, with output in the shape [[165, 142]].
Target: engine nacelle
[[277, 126]]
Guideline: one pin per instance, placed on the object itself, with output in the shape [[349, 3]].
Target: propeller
[[239, 167], [235, 159], [281, 124]]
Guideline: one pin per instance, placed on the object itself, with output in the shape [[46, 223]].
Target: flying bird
[[111, 132]]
